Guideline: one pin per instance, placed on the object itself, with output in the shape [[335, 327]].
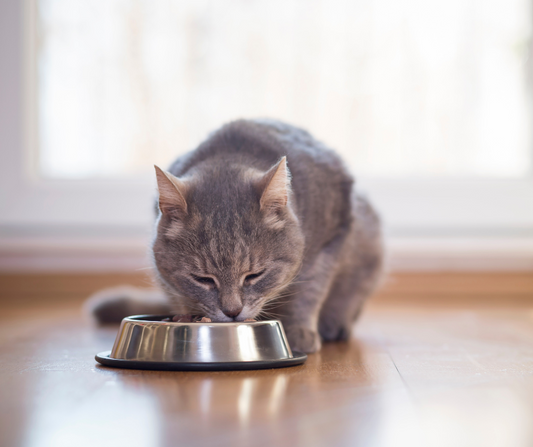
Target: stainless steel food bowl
[[146, 342]]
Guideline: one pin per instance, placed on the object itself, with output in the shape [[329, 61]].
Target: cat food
[[180, 319], [196, 319], [188, 319], [183, 318]]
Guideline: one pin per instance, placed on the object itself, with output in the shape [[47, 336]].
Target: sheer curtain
[[400, 88]]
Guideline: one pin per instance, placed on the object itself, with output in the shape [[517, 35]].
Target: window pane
[[399, 87]]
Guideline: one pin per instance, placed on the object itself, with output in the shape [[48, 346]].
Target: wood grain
[[508, 288], [64, 286], [412, 375]]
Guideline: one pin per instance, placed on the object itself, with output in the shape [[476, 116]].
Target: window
[[400, 88], [429, 102]]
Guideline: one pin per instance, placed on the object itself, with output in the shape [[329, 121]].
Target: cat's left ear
[[172, 193], [276, 185]]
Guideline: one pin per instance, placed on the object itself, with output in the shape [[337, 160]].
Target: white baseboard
[[461, 254], [129, 254], [94, 254]]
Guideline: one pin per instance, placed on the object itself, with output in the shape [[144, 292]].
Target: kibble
[[187, 318]]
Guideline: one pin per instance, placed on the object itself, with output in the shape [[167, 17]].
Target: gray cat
[[262, 221]]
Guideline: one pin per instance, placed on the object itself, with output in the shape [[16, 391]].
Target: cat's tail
[[113, 304]]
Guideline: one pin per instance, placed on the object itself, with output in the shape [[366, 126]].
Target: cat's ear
[[276, 184], [171, 193]]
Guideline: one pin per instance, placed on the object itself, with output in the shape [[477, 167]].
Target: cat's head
[[228, 240]]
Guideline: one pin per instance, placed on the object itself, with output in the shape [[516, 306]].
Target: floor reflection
[[336, 391], [349, 394]]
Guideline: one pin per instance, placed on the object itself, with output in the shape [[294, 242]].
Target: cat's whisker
[[270, 304], [270, 315], [278, 297]]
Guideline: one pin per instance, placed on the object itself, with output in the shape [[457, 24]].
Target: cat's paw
[[331, 330], [303, 339]]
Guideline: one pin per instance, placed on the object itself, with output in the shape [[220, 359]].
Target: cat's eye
[[250, 278], [204, 280]]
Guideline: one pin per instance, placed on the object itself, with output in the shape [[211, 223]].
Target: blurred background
[[428, 102]]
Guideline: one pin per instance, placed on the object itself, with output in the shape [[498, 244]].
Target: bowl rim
[[145, 318], [104, 358]]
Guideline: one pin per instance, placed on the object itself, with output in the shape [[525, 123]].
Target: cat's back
[[321, 183], [261, 143]]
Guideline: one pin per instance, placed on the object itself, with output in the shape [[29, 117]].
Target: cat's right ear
[[276, 186], [172, 192]]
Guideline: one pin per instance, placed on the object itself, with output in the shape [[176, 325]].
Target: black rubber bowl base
[[104, 359]]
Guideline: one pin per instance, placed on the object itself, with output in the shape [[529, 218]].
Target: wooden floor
[[413, 375]]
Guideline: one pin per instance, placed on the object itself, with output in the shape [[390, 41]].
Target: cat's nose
[[232, 312]]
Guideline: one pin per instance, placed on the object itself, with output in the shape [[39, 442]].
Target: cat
[[261, 221]]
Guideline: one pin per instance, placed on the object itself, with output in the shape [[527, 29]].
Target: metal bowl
[[146, 342]]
